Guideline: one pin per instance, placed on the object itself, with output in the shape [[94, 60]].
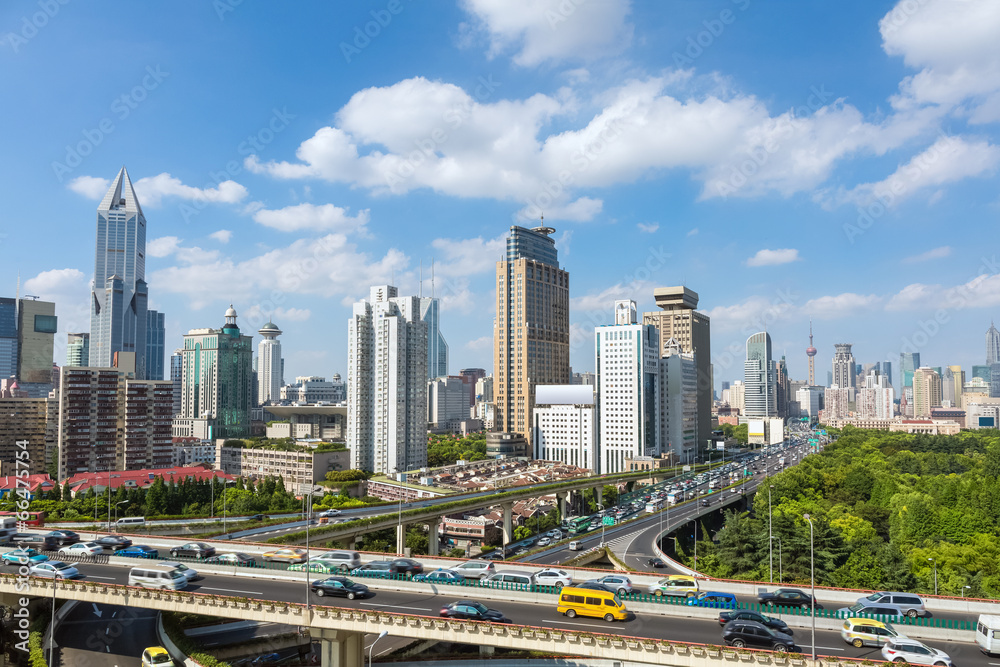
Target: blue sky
[[786, 160]]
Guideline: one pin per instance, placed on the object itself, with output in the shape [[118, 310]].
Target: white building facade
[[809, 399], [269, 365], [312, 389], [678, 388], [876, 398], [563, 425]]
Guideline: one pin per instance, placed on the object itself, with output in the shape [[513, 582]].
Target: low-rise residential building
[[295, 464], [289, 430], [388, 489], [27, 488], [138, 479], [192, 451]]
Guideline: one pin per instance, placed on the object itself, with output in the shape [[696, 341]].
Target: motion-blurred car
[[138, 551], [747, 615], [315, 565], [81, 548], [23, 557], [193, 550], [113, 542], [236, 559], [904, 649], [285, 556], [54, 569], [64, 537], [714, 599], [188, 572], [339, 586], [616, 583], [756, 635], [473, 611], [406, 566], [440, 577], [377, 569], [553, 577], [786, 597]]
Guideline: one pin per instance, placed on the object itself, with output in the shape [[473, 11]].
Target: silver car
[[902, 649], [54, 569], [188, 572], [912, 604], [476, 569], [553, 577]]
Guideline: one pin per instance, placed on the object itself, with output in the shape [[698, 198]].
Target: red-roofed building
[[33, 484], [139, 479]]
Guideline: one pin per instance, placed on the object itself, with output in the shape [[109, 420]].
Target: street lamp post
[[372, 647], [934, 563], [770, 537], [812, 581], [601, 507], [780, 573], [120, 502], [963, 590]]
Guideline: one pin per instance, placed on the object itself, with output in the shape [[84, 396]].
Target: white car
[[54, 569], [84, 548], [544, 542], [553, 577], [903, 649]]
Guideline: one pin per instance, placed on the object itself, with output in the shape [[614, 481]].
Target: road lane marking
[[831, 648], [375, 604], [588, 625], [230, 590], [91, 576]]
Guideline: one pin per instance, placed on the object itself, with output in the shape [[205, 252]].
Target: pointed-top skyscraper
[[992, 345], [119, 294]]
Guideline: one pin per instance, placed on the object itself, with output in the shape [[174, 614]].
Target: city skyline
[[296, 183]]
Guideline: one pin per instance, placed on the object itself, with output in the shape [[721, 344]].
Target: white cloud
[[324, 218], [936, 253], [553, 30], [479, 344], [162, 246], [278, 315], [603, 302], [751, 315], [840, 305], [90, 187], [693, 232], [649, 228], [223, 236], [775, 257], [466, 257]]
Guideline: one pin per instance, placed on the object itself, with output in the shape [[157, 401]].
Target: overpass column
[[433, 537], [401, 538], [508, 526], [599, 494], [561, 499], [340, 648]]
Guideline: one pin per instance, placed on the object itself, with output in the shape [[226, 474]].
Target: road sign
[[608, 521]]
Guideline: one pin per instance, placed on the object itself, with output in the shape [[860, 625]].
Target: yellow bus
[[587, 602]]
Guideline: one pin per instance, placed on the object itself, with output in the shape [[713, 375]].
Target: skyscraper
[[36, 330], [952, 383], [678, 388], [627, 364], [677, 319], [885, 370], [78, 349], [387, 383], [177, 378], [782, 390], [908, 363], [437, 346], [156, 334], [926, 391], [844, 368], [992, 345], [119, 294], [8, 337], [531, 330], [876, 397], [269, 378], [758, 377]]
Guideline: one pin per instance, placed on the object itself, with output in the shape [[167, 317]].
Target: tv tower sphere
[[811, 351]]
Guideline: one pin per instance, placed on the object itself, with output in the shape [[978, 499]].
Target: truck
[[781, 462], [672, 498]]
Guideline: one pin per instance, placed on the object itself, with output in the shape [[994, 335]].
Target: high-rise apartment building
[[758, 377], [926, 391], [119, 296], [836, 402], [627, 363], [447, 402], [8, 338], [156, 334], [678, 319], [269, 365], [952, 384], [437, 346], [78, 349], [531, 330], [387, 383], [177, 378], [30, 420], [992, 345], [678, 389], [216, 381], [737, 396], [470, 376], [844, 367], [563, 425], [782, 391], [876, 398]]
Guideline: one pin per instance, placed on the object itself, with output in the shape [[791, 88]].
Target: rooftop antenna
[[420, 290], [432, 277], [17, 297]]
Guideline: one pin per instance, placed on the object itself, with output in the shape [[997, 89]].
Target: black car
[[64, 537], [340, 586], [473, 611], [756, 635], [193, 550], [746, 615], [34, 541], [406, 566], [786, 597], [113, 542], [655, 562], [705, 502], [235, 559]]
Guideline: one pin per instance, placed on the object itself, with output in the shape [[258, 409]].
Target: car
[[757, 635], [705, 502], [81, 548], [475, 569], [285, 556], [786, 597], [912, 604], [25, 556], [715, 599], [904, 649], [193, 550], [867, 632], [257, 517], [405, 566], [747, 615], [441, 576], [315, 565], [676, 585], [495, 555], [138, 551], [113, 542], [339, 587], [472, 611], [553, 577], [873, 609], [655, 562], [616, 583], [156, 656], [329, 513], [544, 542], [236, 559], [34, 540], [378, 569], [54, 569], [64, 537], [188, 572]]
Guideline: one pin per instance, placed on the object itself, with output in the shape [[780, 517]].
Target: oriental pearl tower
[[811, 353]]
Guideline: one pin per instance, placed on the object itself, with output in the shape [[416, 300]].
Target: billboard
[[755, 428], [987, 422]]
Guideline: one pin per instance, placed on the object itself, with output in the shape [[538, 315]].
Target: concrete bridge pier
[[599, 494], [401, 538], [508, 523], [433, 538], [340, 648], [562, 499]]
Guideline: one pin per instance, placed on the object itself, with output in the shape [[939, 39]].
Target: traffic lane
[[105, 635]]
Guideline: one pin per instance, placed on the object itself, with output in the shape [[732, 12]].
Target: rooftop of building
[[140, 478]]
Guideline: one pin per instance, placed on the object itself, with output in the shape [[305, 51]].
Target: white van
[[512, 577], [131, 521], [988, 634], [158, 576], [574, 546]]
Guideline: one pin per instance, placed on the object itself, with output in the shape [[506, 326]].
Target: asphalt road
[[104, 636]]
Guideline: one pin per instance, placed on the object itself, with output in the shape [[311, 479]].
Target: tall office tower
[[447, 402], [836, 402], [470, 376], [269, 365], [995, 380], [77, 349], [8, 338], [678, 403], [531, 330], [885, 370], [36, 330], [981, 371], [563, 425], [177, 378], [908, 363], [758, 377], [926, 391], [437, 347], [876, 398], [829, 378], [952, 383], [737, 396], [119, 295], [156, 334], [216, 380], [781, 388], [844, 368], [992, 345], [811, 353], [387, 383], [678, 319], [809, 399], [627, 363], [111, 421]]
